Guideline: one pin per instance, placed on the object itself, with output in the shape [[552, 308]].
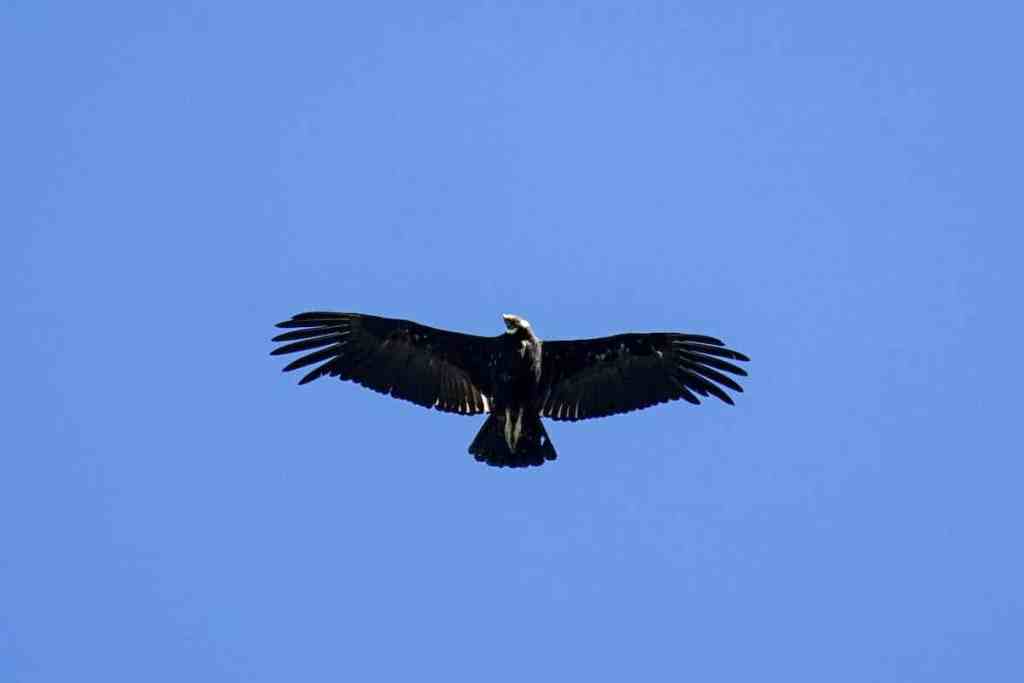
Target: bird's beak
[[509, 320]]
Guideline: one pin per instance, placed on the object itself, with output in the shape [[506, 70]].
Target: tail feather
[[532, 448]]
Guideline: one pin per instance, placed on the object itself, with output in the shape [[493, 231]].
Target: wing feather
[[321, 355], [714, 362], [314, 343]]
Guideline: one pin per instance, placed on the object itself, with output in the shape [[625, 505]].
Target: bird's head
[[513, 323]]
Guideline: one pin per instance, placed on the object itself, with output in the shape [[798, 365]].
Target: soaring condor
[[515, 377]]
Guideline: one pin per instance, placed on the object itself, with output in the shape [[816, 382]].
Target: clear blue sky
[[834, 190]]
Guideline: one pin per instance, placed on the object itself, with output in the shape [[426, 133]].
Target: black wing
[[430, 367], [597, 377]]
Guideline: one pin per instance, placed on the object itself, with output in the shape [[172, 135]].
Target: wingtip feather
[[309, 377]]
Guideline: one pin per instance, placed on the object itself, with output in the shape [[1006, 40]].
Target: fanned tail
[[532, 445]]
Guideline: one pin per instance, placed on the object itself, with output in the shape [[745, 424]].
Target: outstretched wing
[[597, 377], [430, 367]]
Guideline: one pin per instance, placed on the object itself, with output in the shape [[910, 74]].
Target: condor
[[514, 376]]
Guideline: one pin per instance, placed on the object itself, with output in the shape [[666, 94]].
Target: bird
[[514, 377]]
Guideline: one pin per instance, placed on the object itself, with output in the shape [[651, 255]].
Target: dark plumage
[[514, 376]]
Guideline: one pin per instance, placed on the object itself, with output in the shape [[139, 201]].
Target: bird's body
[[515, 373], [515, 376]]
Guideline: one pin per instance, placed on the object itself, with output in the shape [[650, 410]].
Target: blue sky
[[835, 191]]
